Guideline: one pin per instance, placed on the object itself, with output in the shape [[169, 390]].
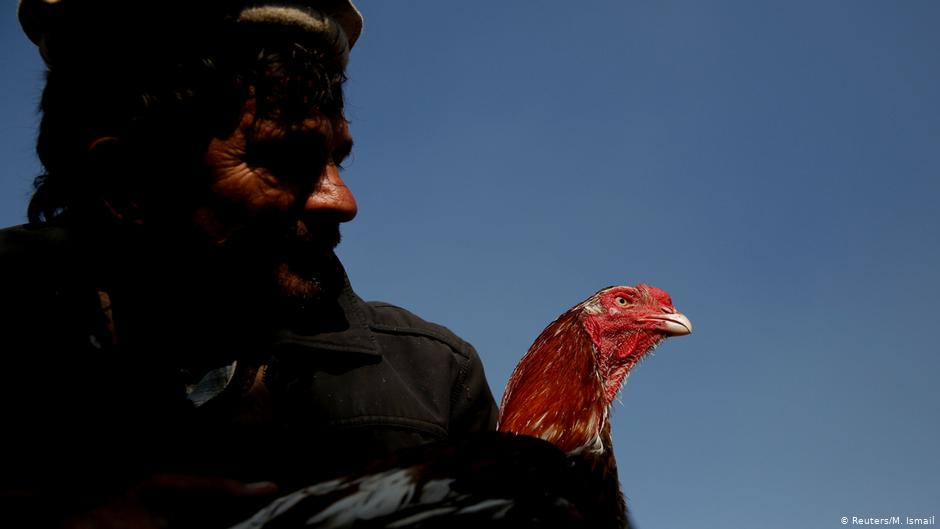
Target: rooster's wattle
[[550, 465]]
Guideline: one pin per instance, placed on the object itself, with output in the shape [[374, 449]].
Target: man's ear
[[111, 176]]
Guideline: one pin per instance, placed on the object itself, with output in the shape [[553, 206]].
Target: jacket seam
[[389, 420], [459, 388], [413, 331]]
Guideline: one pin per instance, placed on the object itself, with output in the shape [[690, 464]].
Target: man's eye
[[285, 159]]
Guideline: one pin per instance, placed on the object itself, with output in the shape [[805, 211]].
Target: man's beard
[[294, 264], [306, 270]]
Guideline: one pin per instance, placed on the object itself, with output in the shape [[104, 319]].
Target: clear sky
[[772, 165]]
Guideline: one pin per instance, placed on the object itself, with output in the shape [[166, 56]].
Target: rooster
[[551, 463]]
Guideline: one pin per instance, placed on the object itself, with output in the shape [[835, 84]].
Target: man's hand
[[172, 501]]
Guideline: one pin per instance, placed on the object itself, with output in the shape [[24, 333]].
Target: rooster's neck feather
[[557, 391]]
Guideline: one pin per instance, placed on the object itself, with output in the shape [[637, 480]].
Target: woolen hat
[[58, 27]]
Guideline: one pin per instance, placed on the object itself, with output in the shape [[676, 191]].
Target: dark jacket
[[308, 407]]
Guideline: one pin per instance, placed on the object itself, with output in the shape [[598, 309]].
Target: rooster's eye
[[621, 301]]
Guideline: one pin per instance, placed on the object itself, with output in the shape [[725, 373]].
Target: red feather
[[556, 392]]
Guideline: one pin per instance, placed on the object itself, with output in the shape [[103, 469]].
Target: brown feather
[[561, 362]]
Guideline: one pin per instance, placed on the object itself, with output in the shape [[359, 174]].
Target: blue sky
[[774, 166]]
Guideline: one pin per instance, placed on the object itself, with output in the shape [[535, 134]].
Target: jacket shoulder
[[386, 318]]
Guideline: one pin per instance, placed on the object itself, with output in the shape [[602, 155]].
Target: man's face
[[276, 199]]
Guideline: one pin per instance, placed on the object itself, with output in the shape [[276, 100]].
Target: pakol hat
[[59, 27]]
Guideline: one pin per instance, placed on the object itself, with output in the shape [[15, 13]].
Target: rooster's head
[[627, 323], [562, 389]]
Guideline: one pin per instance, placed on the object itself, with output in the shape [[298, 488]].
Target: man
[[179, 340]]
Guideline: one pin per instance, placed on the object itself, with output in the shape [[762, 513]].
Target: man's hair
[[165, 108]]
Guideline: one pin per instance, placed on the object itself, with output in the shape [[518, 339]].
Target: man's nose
[[332, 197]]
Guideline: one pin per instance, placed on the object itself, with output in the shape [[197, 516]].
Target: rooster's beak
[[674, 324]]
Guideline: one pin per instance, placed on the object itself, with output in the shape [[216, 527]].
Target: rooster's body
[[550, 465]]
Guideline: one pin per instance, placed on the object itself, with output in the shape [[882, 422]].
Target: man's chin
[[295, 286], [309, 281]]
